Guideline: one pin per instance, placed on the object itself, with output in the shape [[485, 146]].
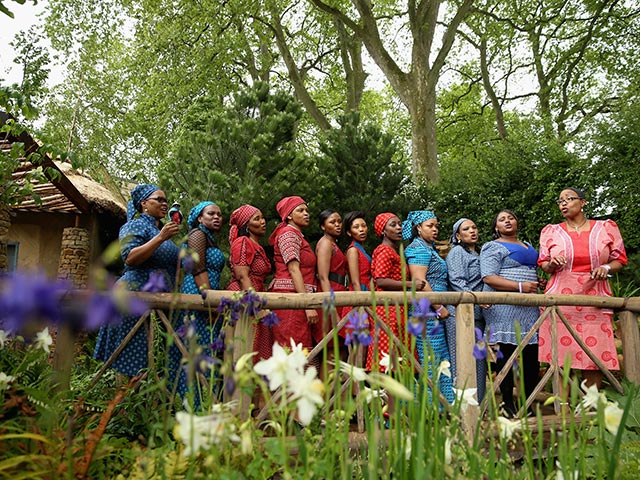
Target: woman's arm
[[197, 243], [324, 251], [353, 267], [241, 272], [142, 253], [298, 284], [504, 285], [419, 275]]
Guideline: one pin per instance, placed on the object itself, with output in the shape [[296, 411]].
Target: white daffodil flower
[[243, 360], [5, 380], [508, 427], [591, 396], [44, 340], [202, 432], [392, 386], [444, 369], [3, 338], [465, 397], [307, 391], [281, 365], [560, 476], [356, 373], [447, 451], [369, 394], [612, 417]]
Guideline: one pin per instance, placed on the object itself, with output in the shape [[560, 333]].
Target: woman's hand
[[169, 230], [442, 312], [600, 273], [312, 316], [529, 287], [557, 263]]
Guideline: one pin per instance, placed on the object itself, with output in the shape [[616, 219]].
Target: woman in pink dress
[[295, 271], [580, 254]]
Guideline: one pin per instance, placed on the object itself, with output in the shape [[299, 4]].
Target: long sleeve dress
[[164, 259], [584, 252]]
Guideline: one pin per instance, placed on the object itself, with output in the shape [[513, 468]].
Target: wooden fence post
[[630, 345], [466, 363]]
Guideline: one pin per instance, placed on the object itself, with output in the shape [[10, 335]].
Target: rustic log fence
[[242, 333]]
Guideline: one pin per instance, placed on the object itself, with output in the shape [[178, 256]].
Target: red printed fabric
[[584, 251], [386, 263], [290, 245], [247, 253], [338, 265]]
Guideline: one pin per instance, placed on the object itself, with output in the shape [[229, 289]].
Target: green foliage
[[245, 152]]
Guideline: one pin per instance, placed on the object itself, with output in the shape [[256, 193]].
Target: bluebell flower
[[230, 384], [218, 344], [28, 298], [156, 283]]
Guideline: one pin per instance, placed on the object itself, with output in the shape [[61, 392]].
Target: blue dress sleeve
[[458, 268], [492, 258]]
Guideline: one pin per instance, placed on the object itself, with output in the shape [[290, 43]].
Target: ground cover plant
[[55, 425]]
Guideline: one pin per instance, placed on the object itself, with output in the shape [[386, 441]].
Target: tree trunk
[[424, 141]]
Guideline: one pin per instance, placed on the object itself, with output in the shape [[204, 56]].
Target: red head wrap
[[239, 218], [288, 205], [284, 208], [381, 222]]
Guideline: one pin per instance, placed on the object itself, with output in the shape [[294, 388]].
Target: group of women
[[579, 255]]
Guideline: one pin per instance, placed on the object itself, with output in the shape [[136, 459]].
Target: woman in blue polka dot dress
[[146, 248], [205, 220]]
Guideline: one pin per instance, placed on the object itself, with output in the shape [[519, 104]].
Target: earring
[[146, 210]]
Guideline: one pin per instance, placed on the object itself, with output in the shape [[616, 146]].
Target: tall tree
[[416, 83]]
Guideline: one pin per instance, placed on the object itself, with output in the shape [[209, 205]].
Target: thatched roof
[[67, 191]]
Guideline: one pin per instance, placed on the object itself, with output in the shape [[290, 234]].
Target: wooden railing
[[628, 309]]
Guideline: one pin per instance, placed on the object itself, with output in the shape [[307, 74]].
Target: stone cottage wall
[[5, 223], [74, 256]]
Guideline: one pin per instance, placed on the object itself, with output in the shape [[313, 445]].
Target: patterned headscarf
[[284, 208], [239, 218], [139, 194], [195, 212], [381, 222], [456, 227], [415, 218]]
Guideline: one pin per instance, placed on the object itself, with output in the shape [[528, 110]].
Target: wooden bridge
[[241, 335]]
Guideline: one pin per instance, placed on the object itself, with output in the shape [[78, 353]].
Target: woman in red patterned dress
[[580, 254], [386, 270], [295, 271], [250, 265]]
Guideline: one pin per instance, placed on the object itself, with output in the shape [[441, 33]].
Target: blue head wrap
[[415, 218], [138, 195], [195, 212], [456, 227]]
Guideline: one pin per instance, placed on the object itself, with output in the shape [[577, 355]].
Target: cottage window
[[12, 256]]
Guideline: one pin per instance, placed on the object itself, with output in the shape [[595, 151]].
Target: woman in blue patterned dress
[[508, 264], [463, 266], [205, 220], [146, 248], [426, 264]]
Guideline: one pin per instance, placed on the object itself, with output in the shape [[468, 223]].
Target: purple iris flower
[[156, 283], [188, 263], [230, 385], [329, 304], [270, 319], [358, 329], [415, 328], [218, 344], [26, 298], [422, 309], [103, 309]]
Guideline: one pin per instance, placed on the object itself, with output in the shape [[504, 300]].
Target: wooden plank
[[630, 346], [466, 364]]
